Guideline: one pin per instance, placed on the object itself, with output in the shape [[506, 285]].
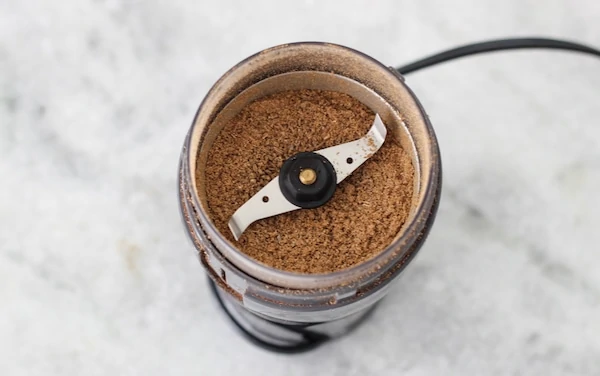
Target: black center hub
[[307, 196]]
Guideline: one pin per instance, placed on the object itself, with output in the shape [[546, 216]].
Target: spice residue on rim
[[364, 215]]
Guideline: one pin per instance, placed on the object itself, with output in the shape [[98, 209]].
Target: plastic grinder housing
[[286, 310]]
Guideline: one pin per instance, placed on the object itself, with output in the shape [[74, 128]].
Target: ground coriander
[[364, 215]]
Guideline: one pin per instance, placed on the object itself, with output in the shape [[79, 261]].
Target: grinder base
[[285, 338]]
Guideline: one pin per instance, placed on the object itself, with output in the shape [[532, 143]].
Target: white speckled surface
[[98, 278]]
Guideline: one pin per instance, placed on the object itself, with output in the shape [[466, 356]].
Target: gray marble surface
[[98, 278]]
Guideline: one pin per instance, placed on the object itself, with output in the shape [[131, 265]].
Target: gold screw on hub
[[308, 176]]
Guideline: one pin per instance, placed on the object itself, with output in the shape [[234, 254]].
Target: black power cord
[[310, 340], [496, 45]]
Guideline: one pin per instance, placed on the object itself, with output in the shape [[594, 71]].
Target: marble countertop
[[97, 276]]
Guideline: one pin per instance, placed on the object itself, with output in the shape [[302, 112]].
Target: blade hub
[[307, 180]]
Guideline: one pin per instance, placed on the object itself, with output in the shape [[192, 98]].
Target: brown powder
[[364, 215]]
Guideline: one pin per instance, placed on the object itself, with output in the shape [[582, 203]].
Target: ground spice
[[364, 215]]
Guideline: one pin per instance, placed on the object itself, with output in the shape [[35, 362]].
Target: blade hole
[[265, 198], [349, 160]]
